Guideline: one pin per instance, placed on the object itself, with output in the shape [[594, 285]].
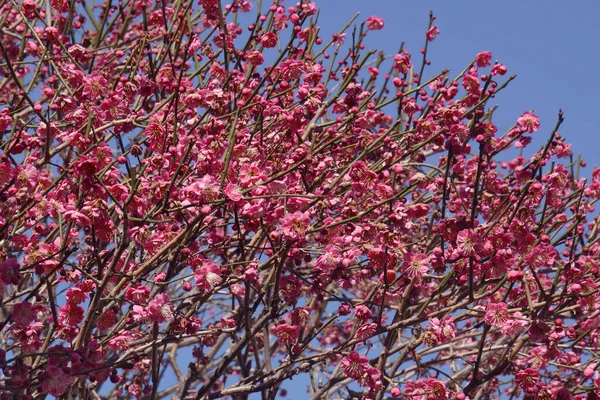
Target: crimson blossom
[[202, 200]]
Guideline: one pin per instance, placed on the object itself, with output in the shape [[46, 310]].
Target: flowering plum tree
[[204, 200]]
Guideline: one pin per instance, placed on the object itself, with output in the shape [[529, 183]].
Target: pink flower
[[541, 255], [233, 192], [6, 173], [498, 69], [255, 57], [528, 122], [208, 276], [496, 314], [483, 59], [60, 5], [23, 314], [287, 334], [527, 378], [160, 308], [354, 365], [514, 326], [269, 40], [156, 135], [468, 242], [294, 226], [432, 33], [444, 330], [402, 63], [375, 23], [366, 331], [54, 381], [70, 315], [362, 312], [138, 294], [415, 265], [290, 288]]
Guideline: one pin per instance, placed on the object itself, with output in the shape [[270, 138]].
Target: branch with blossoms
[[203, 200]]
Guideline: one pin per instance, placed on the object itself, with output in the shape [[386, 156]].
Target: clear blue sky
[[553, 46]]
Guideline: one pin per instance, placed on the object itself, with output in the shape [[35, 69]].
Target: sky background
[[553, 46]]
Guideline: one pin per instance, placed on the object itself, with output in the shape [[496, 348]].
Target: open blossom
[[515, 325], [294, 226], [23, 313], [444, 330], [468, 242], [365, 331], [208, 276], [541, 255], [160, 308], [528, 122], [70, 314], [432, 33], [498, 69], [362, 312], [527, 378], [355, 365], [287, 334], [496, 314], [375, 23], [9, 270], [483, 59], [415, 265], [54, 381], [426, 389]]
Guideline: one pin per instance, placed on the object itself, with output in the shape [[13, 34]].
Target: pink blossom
[[366, 331], [160, 308], [23, 313], [287, 334], [432, 33], [208, 276], [483, 59], [362, 312], [70, 314], [468, 242], [233, 192], [294, 226], [375, 23], [527, 378], [9, 271], [290, 288], [269, 40], [402, 63], [496, 314], [354, 365], [528, 122], [498, 69], [515, 325], [444, 330], [415, 265], [54, 381], [6, 173]]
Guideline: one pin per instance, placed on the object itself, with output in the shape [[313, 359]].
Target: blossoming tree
[[203, 200]]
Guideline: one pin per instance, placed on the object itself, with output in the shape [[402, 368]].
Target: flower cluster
[[221, 183]]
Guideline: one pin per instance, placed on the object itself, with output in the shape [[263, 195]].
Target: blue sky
[[553, 47]]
